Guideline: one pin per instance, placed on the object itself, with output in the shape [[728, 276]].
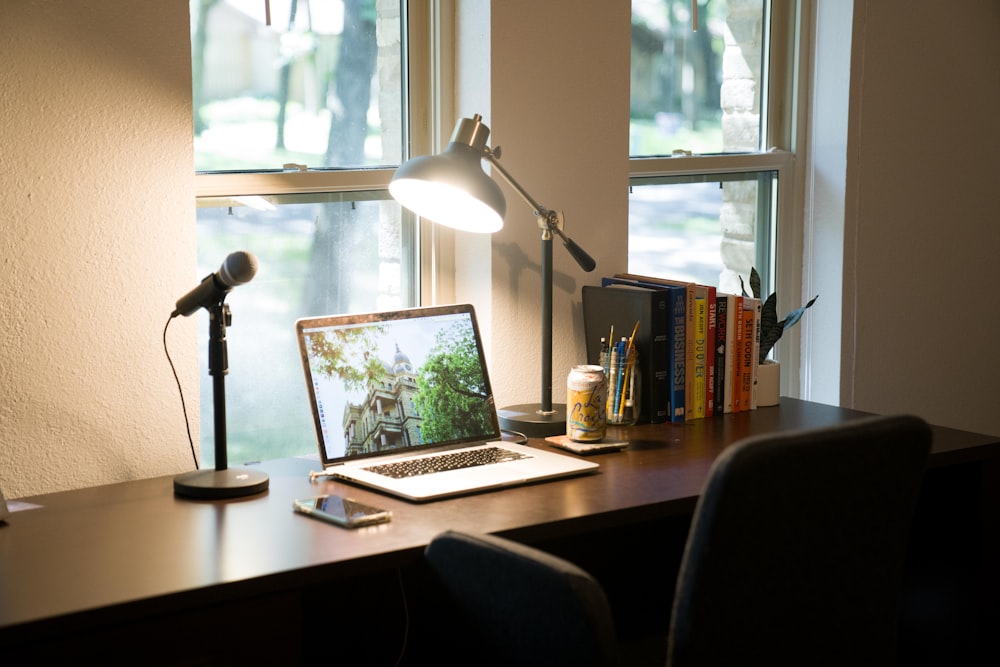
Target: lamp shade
[[451, 189]]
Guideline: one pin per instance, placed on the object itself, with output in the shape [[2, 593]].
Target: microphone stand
[[221, 482]]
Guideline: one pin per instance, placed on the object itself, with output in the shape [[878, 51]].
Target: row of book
[[697, 348]]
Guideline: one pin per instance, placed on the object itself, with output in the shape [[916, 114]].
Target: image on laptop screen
[[392, 382]]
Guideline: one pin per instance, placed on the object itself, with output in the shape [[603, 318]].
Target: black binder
[[622, 306]]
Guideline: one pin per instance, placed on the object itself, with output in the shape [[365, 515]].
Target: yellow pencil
[[631, 339], [629, 361]]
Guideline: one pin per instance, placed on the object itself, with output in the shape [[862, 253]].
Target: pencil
[[631, 339], [629, 362]]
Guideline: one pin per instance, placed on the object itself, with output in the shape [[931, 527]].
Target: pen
[[613, 368], [619, 376], [629, 360]]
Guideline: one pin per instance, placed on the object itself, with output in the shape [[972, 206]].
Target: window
[[301, 116], [707, 92]]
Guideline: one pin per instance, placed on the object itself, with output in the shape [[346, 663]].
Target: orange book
[[734, 403], [746, 361]]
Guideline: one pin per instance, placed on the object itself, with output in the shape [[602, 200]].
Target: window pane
[[696, 90], [320, 85], [317, 254], [705, 229]]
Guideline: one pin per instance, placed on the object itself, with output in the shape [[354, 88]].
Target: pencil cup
[[624, 393]]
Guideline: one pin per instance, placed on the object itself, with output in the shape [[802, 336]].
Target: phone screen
[[342, 511]]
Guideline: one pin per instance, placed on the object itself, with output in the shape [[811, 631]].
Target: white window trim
[[427, 44], [292, 182], [785, 128]]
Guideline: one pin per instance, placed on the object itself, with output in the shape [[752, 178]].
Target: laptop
[[402, 403]]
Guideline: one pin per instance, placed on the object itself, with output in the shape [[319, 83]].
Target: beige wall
[[921, 308], [98, 241], [560, 112]]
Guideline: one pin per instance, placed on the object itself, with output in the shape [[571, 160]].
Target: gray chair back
[[796, 551], [526, 607]]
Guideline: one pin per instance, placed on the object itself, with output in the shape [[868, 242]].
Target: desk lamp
[[452, 189]]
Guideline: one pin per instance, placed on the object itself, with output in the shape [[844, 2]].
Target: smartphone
[[341, 511]]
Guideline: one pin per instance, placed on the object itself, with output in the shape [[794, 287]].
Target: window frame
[[421, 50], [427, 53], [782, 114]]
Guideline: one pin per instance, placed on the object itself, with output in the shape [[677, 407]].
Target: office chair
[[796, 551], [794, 557], [525, 607]]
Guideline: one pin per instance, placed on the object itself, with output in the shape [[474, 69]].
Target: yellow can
[[586, 404]]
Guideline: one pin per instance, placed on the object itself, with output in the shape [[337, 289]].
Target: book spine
[[746, 356], [700, 390], [754, 357], [721, 313], [712, 305], [690, 325], [659, 362], [678, 352], [735, 338]]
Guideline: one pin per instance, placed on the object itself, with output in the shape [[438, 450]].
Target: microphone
[[238, 268]]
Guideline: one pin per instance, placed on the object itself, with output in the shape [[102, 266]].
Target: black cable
[[180, 390], [522, 439]]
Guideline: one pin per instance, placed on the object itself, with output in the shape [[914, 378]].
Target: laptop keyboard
[[443, 462]]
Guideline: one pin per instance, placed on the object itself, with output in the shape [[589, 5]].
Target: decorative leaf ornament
[[770, 328]]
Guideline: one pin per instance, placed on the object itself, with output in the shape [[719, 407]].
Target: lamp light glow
[[446, 205], [452, 188]]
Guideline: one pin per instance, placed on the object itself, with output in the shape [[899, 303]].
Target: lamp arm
[[549, 221], [585, 261], [493, 157]]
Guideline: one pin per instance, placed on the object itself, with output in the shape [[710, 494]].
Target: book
[[618, 307], [746, 360], [711, 303], [690, 316], [733, 338], [689, 330], [721, 330], [678, 332], [700, 386], [755, 354], [677, 324]]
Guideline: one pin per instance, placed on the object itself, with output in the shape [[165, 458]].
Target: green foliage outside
[[647, 139]]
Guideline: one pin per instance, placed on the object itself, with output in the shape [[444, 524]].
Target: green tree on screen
[[348, 354], [452, 394]]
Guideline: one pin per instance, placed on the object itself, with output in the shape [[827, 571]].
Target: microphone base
[[219, 484]]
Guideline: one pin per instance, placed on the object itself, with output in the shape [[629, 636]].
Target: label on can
[[586, 404]]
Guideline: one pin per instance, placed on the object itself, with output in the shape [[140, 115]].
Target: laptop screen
[[396, 381]]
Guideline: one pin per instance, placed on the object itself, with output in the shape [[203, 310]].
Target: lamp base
[[216, 484], [531, 421]]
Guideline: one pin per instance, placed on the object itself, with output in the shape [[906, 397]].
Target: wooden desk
[[130, 567]]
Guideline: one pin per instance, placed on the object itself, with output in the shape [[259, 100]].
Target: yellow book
[[700, 352]]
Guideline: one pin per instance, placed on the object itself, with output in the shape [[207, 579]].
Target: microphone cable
[[180, 391]]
